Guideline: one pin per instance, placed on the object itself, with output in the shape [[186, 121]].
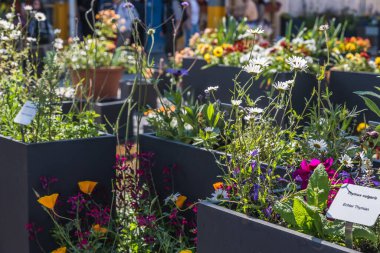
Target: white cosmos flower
[[318, 145], [297, 63], [255, 110], [257, 30], [236, 102], [40, 16], [282, 86], [346, 161], [28, 7], [211, 89], [253, 68], [172, 197], [219, 194]]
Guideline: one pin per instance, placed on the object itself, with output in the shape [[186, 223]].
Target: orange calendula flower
[[180, 201], [48, 201], [98, 229], [218, 185], [87, 187], [361, 127], [60, 250]]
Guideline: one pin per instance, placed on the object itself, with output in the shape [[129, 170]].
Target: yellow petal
[[180, 201]]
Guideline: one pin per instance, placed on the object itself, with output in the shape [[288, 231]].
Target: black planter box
[[22, 166], [196, 169], [225, 231], [199, 79], [144, 93], [344, 84], [109, 112]]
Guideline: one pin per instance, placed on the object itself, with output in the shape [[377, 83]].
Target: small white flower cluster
[[253, 68], [236, 102], [253, 113], [58, 43], [65, 92], [211, 89], [6, 25], [28, 8]]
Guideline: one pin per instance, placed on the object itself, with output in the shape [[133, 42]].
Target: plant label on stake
[[26, 114], [356, 204]]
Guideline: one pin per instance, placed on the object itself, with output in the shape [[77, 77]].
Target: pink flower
[[306, 170]]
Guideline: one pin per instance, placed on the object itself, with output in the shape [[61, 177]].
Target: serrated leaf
[[318, 188]]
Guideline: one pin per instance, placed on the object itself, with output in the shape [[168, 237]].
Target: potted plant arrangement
[[264, 202], [37, 140]]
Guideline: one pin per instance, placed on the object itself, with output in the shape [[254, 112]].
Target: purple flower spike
[[253, 165], [185, 4]]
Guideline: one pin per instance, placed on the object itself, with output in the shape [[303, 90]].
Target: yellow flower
[[349, 56], [377, 61], [207, 58], [218, 51], [48, 201], [361, 127], [218, 185], [60, 250], [186, 251], [87, 187], [350, 47], [226, 45], [98, 229], [180, 201]]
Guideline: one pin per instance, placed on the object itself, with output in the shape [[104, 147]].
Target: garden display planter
[[144, 92], [109, 111], [100, 83], [70, 161], [223, 230], [344, 84], [193, 169]]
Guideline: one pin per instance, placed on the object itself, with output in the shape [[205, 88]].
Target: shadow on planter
[[23, 164], [225, 231], [195, 168], [344, 84], [144, 91]]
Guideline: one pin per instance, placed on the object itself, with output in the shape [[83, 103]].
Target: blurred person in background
[[39, 26], [85, 24], [191, 25], [127, 14], [172, 19], [251, 13]]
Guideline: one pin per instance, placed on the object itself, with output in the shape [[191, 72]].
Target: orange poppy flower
[[87, 187], [98, 229], [218, 185], [60, 250], [180, 201], [48, 201]]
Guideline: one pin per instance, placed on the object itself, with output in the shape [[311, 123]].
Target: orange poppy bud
[[87, 187], [48, 201], [180, 201]]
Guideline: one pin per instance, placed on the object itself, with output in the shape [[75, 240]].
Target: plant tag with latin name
[[26, 114], [356, 204]]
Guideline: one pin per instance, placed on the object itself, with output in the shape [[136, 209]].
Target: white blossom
[[28, 7], [318, 145], [253, 68], [346, 161], [297, 63], [282, 86], [40, 16], [211, 89], [218, 195], [236, 102]]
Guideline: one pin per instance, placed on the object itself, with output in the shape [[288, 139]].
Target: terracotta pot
[[99, 84]]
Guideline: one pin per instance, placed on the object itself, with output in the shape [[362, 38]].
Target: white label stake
[[26, 114]]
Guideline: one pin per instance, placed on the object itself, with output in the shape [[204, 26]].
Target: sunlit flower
[[40, 16], [188, 127], [218, 51], [297, 63], [346, 161], [253, 68], [218, 185], [361, 127], [28, 7], [219, 194], [151, 31], [180, 201], [262, 61], [57, 31], [174, 123], [236, 102], [99, 229], [10, 15], [318, 145], [282, 86], [60, 250], [257, 30], [49, 200], [211, 89], [324, 27], [207, 58], [209, 129], [87, 187], [254, 110]]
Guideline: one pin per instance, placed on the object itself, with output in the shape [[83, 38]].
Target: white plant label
[[26, 114], [356, 204]]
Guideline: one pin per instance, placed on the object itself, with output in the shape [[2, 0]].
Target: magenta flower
[[306, 169]]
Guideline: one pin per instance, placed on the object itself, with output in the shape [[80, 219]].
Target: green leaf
[[371, 105], [217, 117], [210, 111], [318, 188], [367, 93], [303, 220], [285, 210], [363, 232]]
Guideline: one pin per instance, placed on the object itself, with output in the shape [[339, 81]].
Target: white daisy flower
[[40, 16], [297, 63], [253, 68], [236, 102], [318, 145], [324, 27], [172, 197], [211, 89], [174, 123], [254, 110], [262, 61], [209, 129], [257, 30], [346, 161], [282, 86], [28, 7], [219, 194]]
